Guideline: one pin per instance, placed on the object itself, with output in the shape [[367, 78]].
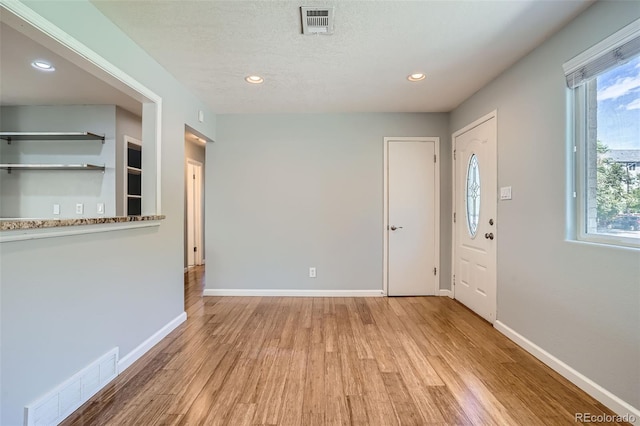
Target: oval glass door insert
[[473, 195]]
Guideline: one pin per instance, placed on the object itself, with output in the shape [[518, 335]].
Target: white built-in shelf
[[133, 176], [51, 136], [10, 167]]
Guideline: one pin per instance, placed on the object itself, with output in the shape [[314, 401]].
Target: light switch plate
[[505, 193], [79, 208], [100, 208], [56, 209]]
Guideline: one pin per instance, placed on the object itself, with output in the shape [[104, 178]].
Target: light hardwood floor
[[343, 361]]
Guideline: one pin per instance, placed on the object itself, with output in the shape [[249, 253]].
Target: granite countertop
[[16, 224]]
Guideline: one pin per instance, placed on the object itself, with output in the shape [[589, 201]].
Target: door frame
[[385, 207], [493, 114], [197, 223]]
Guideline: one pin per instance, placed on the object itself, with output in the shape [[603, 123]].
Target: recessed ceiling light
[[42, 65], [416, 77], [254, 79]]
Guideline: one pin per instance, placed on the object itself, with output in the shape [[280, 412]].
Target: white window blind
[[612, 51]]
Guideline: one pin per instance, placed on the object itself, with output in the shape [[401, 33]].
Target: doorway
[[475, 221], [194, 213], [411, 216], [194, 250]]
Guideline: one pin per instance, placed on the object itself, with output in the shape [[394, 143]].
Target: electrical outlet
[[79, 208], [56, 209], [100, 208], [312, 272]]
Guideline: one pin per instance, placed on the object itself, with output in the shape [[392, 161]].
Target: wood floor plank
[[379, 406], [406, 410], [169, 420], [270, 400], [472, 406], [229, 393], [257, 381], [203, 403], [314, 387], [450, 408], [190, 386], [293, 399], [336, 410], [357, 410], [242, 414], [333, 361], [352, 378], [383, 354]]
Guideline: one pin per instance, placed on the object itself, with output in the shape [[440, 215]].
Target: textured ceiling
[[21, 84], [210, 46]]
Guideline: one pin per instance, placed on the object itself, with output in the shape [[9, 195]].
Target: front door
[[475, 158], [411, 176]]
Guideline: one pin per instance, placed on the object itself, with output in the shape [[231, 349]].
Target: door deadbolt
[[489, 236]]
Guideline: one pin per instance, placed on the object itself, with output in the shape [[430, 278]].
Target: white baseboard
[[126, 361], [292, 293], [607, 398], [447, 293]]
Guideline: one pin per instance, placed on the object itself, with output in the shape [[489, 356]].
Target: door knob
[[393, 228], [489, 236]]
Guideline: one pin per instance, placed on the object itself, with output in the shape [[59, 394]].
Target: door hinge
[[454, 217], [194, 176], [195, 249], [435, 271], [454, 279], [434, 158], [454, 154]]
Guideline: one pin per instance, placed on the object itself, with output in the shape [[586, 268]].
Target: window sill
[[608, 243], [31, 229]]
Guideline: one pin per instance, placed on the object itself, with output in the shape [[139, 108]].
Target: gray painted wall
[[66, 301], [31, 194], [580, 302], [286, 192]]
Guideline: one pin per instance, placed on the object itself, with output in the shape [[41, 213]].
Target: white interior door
[[475, 175], [412, 207], [194, 213]]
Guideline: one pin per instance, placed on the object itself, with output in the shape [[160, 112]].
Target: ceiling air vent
[[317, 20]]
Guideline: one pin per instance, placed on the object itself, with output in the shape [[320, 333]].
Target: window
[[473, 195], [606, 102]]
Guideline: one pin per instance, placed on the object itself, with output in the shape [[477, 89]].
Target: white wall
[[580, 302], [287, 192], [31, 194], [66, 301]]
